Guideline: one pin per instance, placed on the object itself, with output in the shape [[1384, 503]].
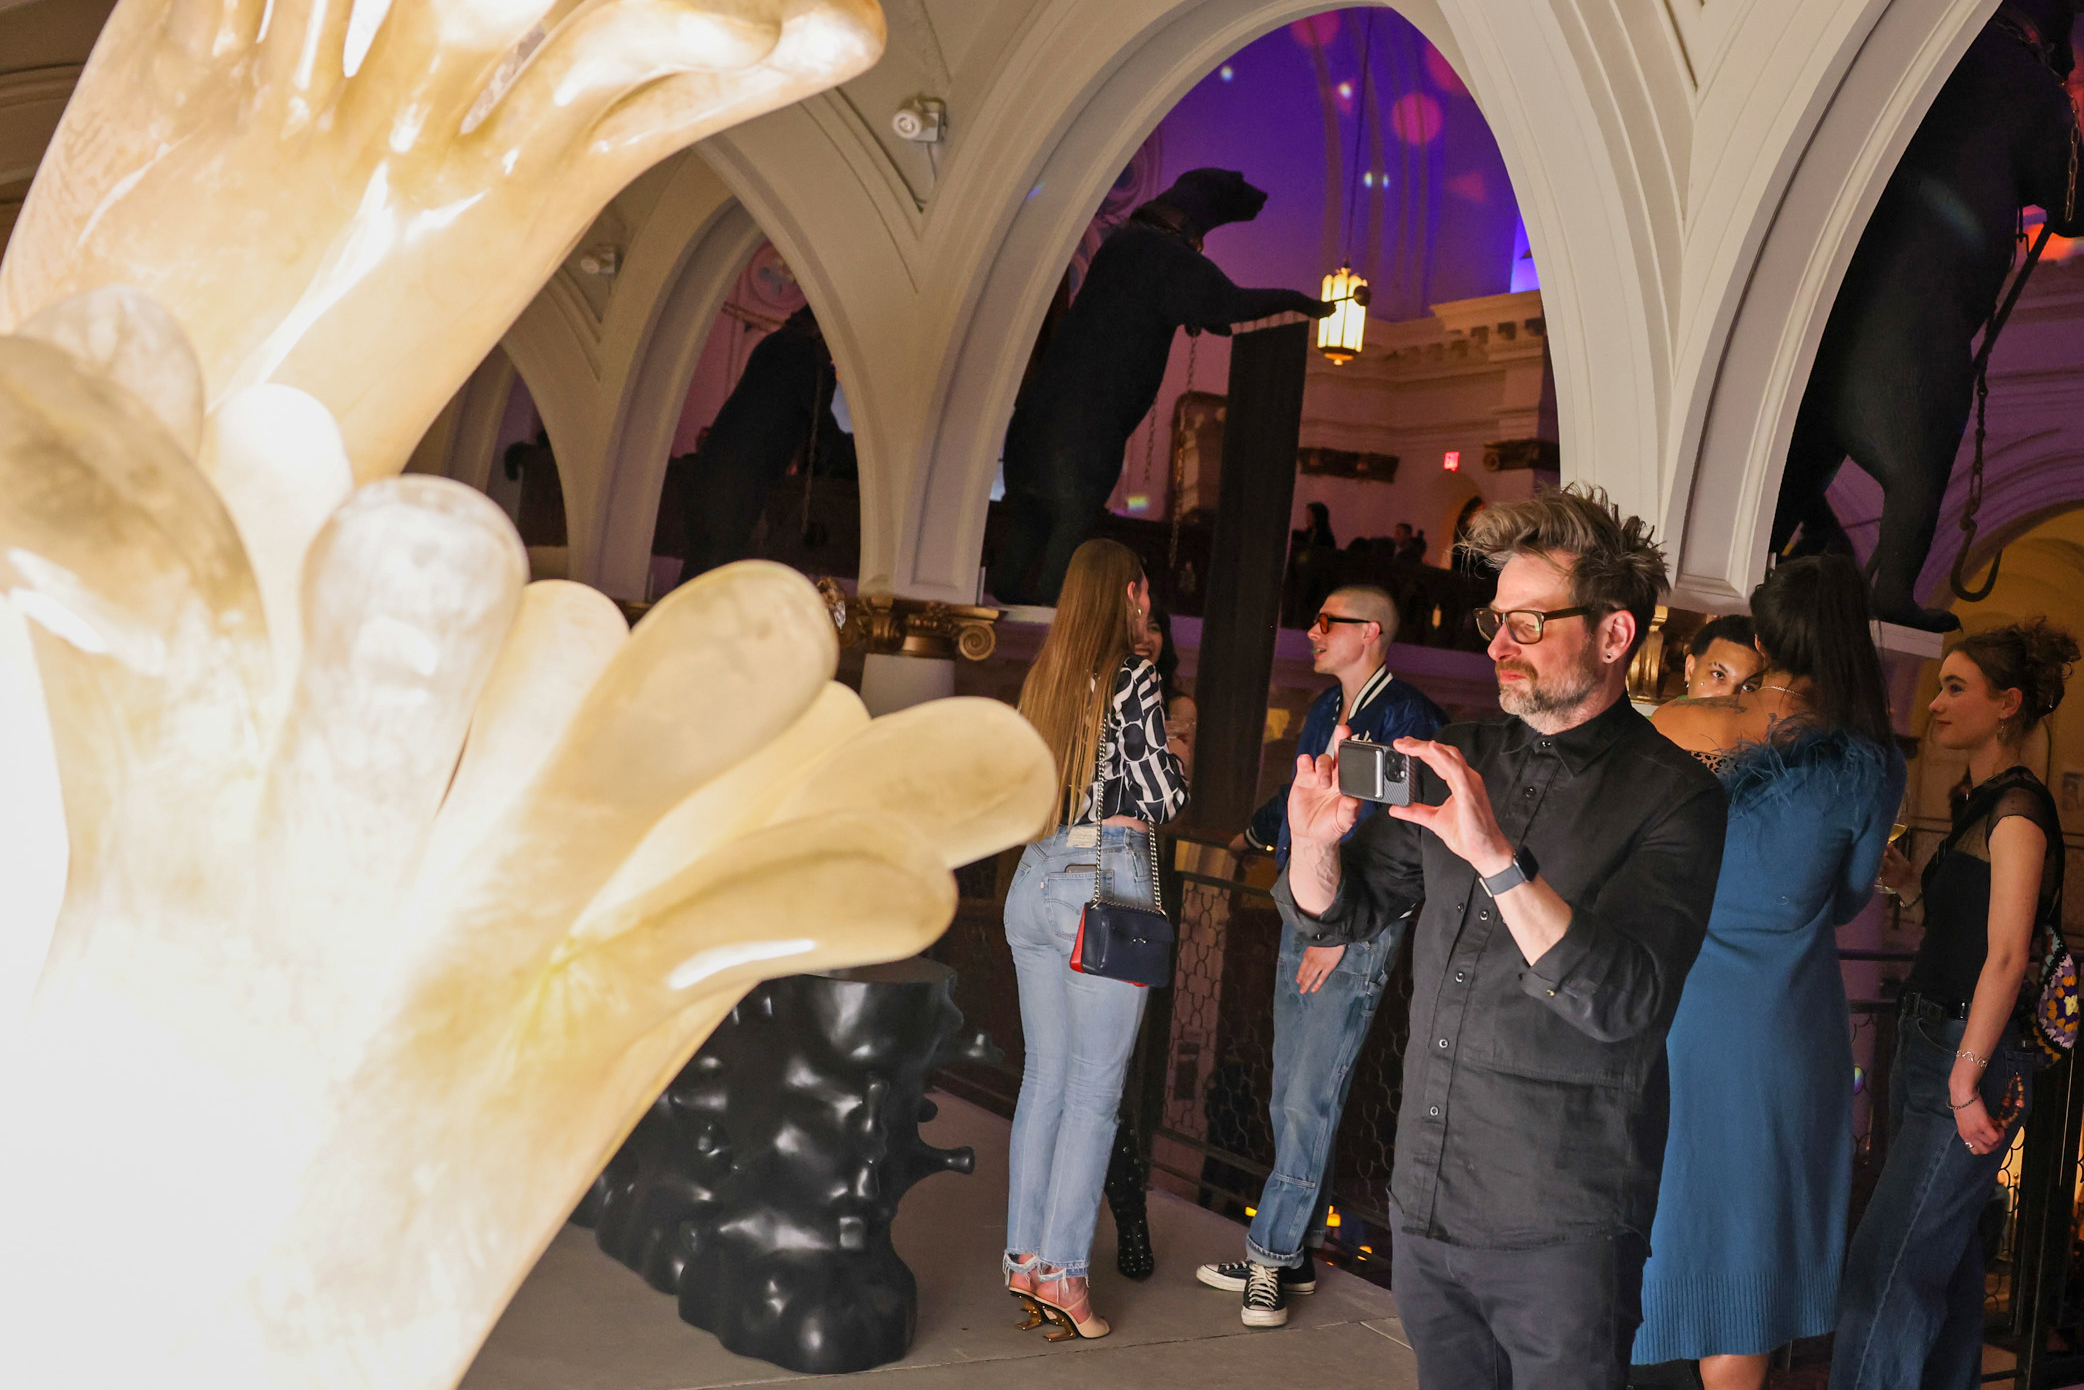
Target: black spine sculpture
[[1101, 372], [1894, 378], [761, 1185]]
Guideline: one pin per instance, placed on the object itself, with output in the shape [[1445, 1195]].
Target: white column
[[890, 683]]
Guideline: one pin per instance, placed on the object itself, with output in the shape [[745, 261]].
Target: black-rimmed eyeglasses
[[1322, 627], [1525, 624]]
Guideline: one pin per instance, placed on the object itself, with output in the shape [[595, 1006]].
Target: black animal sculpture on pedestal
[[1100, 374], [765, 423], [1894, 376], [760, 1187]]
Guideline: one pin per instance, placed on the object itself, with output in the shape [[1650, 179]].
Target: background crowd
[[1626, 1136]]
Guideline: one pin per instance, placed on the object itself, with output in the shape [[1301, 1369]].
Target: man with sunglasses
[[1324, 995], [1559, 864]]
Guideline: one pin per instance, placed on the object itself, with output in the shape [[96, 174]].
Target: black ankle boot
[[1132, 1246], [1125, 1198]]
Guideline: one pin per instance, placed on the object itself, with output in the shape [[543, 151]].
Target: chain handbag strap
[[1157, 888], [1101, 758]]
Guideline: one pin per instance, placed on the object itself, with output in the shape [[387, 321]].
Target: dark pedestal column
[[760, 1187], [1246, 564]]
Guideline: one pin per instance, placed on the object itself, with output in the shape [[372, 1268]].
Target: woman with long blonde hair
[[1098, 706]]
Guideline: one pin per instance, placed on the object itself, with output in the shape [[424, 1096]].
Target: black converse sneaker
[[1265, 1302], [1230, 1276]]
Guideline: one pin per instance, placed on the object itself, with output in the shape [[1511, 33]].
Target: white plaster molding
[[479, 410], [587, 373], [1692, 176]]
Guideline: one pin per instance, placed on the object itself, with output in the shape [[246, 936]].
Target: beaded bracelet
[[1980, 1062]]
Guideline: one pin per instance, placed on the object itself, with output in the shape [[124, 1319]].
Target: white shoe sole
[[1263, 1317], [1229, 1285]]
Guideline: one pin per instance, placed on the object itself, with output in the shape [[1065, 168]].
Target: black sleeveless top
[[1957, 884]]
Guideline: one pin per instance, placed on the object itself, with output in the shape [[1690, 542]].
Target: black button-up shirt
[[1535, 1098]]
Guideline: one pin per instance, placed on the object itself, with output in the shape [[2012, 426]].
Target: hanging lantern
[[1339, 333]]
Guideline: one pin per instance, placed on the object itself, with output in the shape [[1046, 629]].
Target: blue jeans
[[1316, 1038], [1079, 1031], [1911, 1310]]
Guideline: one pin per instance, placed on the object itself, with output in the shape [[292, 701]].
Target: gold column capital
[[887, 625], [1658, 671]]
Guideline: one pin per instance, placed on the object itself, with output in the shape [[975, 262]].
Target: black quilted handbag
[[1119, 942]]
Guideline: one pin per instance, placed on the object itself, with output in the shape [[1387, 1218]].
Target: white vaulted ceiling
[[1693, 175]]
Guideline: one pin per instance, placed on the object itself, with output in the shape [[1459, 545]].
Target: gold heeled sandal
[[1021, 1284], [1054, 1293]]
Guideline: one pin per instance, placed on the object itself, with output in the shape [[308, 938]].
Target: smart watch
[[1522, 869]]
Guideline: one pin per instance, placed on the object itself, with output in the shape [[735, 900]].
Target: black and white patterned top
[[1139, 775]]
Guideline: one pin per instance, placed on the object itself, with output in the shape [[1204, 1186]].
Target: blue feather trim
[[1756, 774]]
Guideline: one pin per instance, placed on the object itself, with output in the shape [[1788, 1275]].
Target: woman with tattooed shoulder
[[1750, 1229]]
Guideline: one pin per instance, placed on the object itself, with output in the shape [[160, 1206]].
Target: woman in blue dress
[[1749, 1236]]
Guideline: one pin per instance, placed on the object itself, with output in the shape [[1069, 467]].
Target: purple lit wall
[[1434, 219]]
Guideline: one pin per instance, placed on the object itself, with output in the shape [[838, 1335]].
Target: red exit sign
[[1451, 461]]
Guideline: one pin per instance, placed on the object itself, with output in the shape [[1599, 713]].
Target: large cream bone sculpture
[[397, 885], [367, 235], [370, 957]]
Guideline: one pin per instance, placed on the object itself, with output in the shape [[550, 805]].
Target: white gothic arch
[[1692, 177]]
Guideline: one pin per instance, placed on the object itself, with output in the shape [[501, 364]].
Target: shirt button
[[1485, 915], [1528, 792], [1548, 743], [1460, 975], [1435, 1112], [1460, 906], [1443, 1042]]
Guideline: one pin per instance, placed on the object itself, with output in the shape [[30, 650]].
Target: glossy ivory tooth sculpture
[[366, 232], [397, 886], [369, 961]]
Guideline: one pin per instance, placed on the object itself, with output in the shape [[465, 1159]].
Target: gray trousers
[[1556, 1317]]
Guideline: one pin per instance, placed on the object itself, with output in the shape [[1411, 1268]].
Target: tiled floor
[[583, 1322]]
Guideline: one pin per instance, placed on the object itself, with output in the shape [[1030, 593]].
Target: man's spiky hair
[[1614, 561]]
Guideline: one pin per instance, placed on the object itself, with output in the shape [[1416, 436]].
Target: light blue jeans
[[1079, 1031], [1317, 1036]]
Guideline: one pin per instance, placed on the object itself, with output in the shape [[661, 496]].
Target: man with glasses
[[1560, 863], [1324, 995]]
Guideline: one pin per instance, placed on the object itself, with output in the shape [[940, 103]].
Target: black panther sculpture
[[760, 1186], [1100, 374], [764, 424], [1894, 375]]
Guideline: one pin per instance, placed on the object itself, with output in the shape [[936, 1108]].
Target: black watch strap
[[1522, 869]]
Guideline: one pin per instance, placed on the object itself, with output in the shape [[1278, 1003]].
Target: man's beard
[[1535, 696]]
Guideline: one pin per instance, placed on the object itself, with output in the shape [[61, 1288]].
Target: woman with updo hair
[[1911, 1313]]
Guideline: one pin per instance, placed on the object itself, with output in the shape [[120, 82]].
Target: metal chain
[[1179, 465], [1150, 444], [1100, 761], [2069, 202], [1973, 504], [810, 448]]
